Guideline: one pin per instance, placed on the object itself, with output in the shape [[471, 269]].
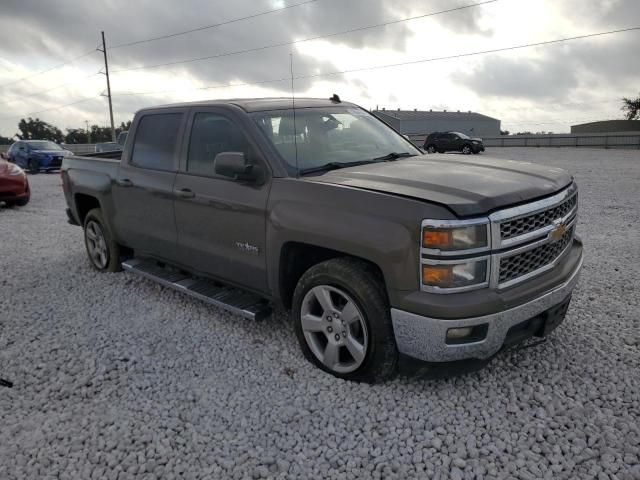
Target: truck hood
[[467, 187]]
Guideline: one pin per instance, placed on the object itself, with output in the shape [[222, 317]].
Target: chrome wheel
[[334, 328], [96, 244], [466, 149], [431, 149]]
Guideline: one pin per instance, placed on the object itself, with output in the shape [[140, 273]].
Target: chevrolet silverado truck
[[385, 257]]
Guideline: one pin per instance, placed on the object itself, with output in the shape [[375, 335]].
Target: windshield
[[331, 135], [462, 135], [44, 145]]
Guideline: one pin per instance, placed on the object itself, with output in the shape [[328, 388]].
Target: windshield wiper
[[393, 156], [337, 165], [333, 166]]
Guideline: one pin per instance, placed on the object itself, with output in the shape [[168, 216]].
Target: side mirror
[[235, 165]]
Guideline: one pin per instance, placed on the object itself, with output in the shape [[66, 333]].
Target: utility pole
[[88, 131], [106, 72]]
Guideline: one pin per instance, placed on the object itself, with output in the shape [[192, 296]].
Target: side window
[[155, 142], [212, 134]]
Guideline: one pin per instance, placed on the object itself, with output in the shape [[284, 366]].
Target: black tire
[[359, 281], [441, 151], [467, 149], [34, 166], [431, 149], [94, 222]]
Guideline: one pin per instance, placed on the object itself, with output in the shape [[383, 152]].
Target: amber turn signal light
[[436, 238], [437, 275]]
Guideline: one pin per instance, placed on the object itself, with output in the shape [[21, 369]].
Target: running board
[[234, 300]]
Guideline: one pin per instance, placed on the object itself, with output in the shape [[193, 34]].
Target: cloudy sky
[[539, 88]]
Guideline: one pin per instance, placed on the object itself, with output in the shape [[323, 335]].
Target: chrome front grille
[[527, 237], [530, 223], [524, 263]]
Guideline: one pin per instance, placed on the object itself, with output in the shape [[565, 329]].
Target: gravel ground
[[116, 377]]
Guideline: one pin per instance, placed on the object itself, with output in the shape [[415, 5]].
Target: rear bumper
[[425, 338]]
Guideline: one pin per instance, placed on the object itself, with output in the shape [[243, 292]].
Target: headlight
[[454, 275], [454, 255], [452, 238], [15, 170]]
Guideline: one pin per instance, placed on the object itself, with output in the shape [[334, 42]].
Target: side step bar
[[239, 302]]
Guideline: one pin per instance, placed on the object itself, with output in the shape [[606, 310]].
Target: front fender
[[381, 228]]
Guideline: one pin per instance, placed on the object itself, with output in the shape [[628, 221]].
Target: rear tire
[[103, 251], [350, 335]]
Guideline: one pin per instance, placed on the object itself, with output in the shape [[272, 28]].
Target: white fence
[[78, 148], [626, 140]]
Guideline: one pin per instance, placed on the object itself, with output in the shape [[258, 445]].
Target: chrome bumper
[[424, 338]]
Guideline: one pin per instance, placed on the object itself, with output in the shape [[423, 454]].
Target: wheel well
[[85, 203], [296, 258]]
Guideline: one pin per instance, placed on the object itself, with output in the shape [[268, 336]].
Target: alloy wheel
[[96, 245], [334, 328]]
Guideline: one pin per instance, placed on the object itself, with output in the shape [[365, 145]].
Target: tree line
[[36, 129]]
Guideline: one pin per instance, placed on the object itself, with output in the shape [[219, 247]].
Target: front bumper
[[425, 338]]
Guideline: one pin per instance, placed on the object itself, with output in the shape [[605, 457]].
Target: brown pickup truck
[[385, 257]]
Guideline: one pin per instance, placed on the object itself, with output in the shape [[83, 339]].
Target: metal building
[[607, 126], [421, 122]]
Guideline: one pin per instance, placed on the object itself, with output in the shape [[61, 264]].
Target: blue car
[[37, 155]]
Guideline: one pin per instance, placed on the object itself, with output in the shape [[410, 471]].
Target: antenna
[[293, 103]]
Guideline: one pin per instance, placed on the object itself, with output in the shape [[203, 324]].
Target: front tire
[[343, 322], [466, 150], [103, 251], [431, 149], [34, 166]]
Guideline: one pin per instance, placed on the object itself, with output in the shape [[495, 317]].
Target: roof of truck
[[259, 104]]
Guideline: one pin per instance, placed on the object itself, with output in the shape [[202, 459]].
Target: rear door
[[220, 221], [143, 192]]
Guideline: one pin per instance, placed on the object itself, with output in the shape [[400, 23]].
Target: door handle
[[125, 182], [184, 193]]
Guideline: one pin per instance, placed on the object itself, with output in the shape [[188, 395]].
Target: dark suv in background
[[452, 142]]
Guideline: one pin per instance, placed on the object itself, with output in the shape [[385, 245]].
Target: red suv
[[14, 186]]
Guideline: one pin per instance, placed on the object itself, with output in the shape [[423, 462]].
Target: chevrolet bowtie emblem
[[558, 232]]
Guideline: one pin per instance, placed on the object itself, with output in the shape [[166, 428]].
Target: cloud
[[520, 77]]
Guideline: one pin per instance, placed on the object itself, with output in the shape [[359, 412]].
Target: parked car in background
[[452, 142], [383, 255], [122, 138], [37, 155], [108, 147], [14, 186]]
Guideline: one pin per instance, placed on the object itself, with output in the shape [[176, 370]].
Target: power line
[[198, 29], [309, 39], [393, 65], [36, 94], [67, 62], [53, 108]]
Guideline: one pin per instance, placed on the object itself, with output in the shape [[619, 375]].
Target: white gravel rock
[[116, 377]]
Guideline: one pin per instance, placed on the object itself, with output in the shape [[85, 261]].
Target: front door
[[220, 221], [143, 191]]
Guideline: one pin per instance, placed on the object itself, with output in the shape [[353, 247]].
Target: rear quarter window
[[155, 141]]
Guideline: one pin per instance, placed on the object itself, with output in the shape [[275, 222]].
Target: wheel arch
[[84, 204], [298, 257]]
